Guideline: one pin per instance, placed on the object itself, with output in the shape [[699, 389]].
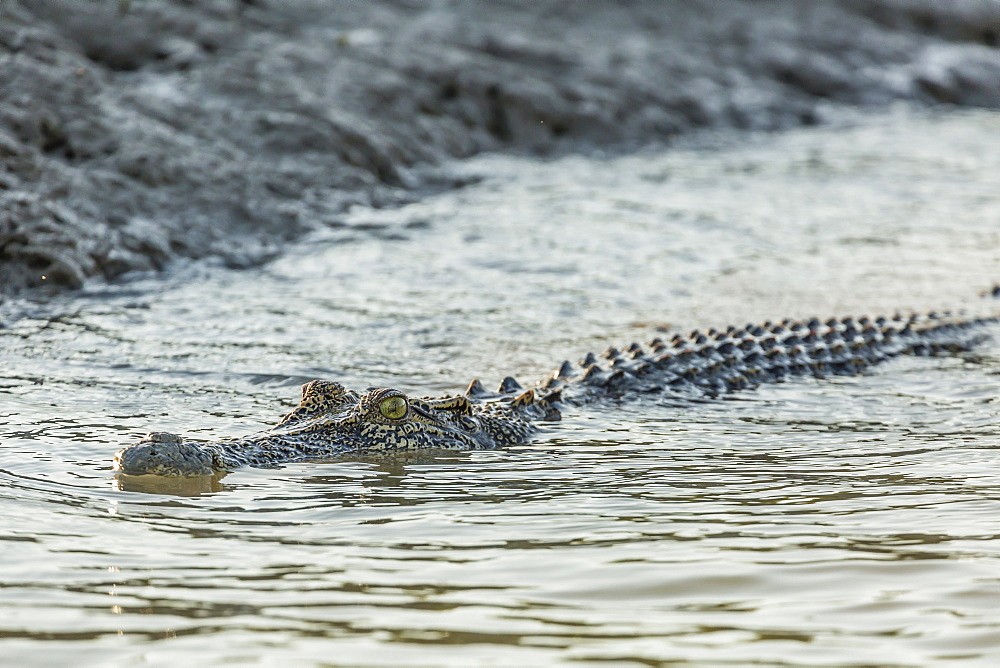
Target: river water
[[836, 522]]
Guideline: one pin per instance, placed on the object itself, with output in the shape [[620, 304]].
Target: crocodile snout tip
[[164, 454]]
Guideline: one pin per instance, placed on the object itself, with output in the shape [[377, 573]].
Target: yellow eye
[[393, 408]]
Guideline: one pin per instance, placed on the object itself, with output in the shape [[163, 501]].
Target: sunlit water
[[837, 522]]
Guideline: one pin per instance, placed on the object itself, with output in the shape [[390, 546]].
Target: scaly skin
[[331, 420]]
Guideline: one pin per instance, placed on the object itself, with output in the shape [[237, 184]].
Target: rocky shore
[[133, 133]]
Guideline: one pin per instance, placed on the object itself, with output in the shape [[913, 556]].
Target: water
[[843, 522]]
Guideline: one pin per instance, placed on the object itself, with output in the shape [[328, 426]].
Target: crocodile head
[[331, 420]]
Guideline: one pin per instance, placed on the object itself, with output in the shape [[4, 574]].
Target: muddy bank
[[226, 127]]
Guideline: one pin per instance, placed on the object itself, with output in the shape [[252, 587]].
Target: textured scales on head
[[320, 397], [331, 420]]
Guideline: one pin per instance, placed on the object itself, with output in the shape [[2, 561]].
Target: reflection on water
[[849, 521], [193, 486]]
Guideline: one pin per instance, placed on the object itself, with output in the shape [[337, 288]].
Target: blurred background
[[133, 133]]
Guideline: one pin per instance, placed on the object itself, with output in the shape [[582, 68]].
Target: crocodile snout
[[165, 454]]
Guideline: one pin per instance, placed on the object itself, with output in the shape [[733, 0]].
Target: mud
[[135, 133]]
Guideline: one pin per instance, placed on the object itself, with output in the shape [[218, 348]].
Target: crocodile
[[331, 420]]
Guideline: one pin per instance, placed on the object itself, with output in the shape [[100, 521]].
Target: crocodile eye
[[393, 408]]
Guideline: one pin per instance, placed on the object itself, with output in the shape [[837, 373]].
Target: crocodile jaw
[[164, 454]]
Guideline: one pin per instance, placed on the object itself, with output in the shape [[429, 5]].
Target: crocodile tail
[[717, 362], [938, 334]]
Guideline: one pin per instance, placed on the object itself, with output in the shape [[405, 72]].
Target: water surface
[[837, 522]]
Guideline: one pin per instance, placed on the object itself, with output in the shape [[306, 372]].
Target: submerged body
[[331, 420]]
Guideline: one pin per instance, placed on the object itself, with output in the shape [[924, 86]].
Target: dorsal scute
[[524, 399], [592, 375], [476, 389], [552, 383], [565, 370], [529, 405], [509, 385]]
